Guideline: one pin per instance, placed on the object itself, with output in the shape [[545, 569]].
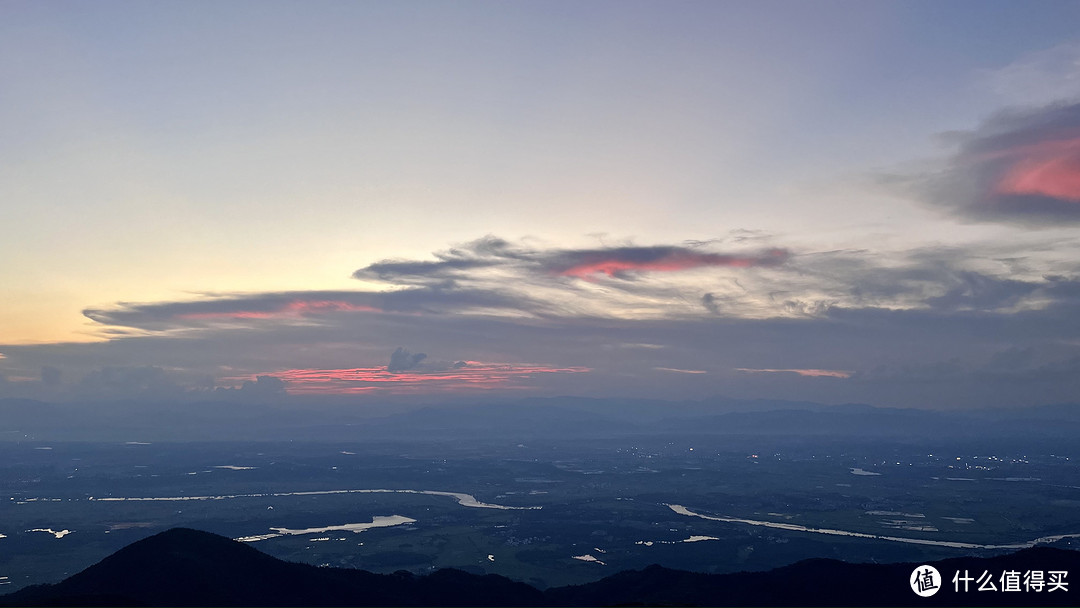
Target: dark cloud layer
[[617, 262], [942, 358], [301, 306], [934, 326], [481, 253], [622, 262], [402, 360], [1019, 166], [709, 302]]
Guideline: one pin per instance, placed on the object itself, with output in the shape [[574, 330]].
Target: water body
[[256, 538], [692, 539], [56, 533], [681, 510], [465, 500], [379, 521], [907, 524], [892, 513]]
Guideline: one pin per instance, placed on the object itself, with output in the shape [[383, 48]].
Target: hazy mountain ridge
[[188, 567], [22, 419]]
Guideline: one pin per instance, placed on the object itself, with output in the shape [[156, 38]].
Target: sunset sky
[[833, 201]]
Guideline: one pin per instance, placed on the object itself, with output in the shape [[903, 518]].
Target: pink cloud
[[1020, 166], [1047, 168], [294, 308], [473, 376], [810, 373], [664, 259]]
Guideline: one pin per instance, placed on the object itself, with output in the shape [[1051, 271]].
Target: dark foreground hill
[[183, 567]]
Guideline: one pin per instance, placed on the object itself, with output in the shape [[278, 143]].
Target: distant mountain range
[[557, 417], [184, 567]]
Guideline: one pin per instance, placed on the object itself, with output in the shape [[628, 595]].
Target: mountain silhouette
[[184, 567]]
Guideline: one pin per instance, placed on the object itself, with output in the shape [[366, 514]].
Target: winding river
[[681, 510], [465, 500]]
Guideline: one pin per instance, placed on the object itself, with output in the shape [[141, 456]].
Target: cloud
[[972, 290], [1021, 166], [263, 387], [240, 307], [402, 360], [596, 283], [348, 355], [618, 262], [485, 252], [406, 373], [404, 270], [709, 302], [300, 307], [808, 373], [488, 276], [292, 308], [1037, 78], [460, 377], [788, 324], [524, 278], [992, 277]]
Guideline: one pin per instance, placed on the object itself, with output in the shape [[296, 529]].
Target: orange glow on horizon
[[474, 376]]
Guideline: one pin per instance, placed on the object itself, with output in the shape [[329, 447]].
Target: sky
[[840, 202]]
